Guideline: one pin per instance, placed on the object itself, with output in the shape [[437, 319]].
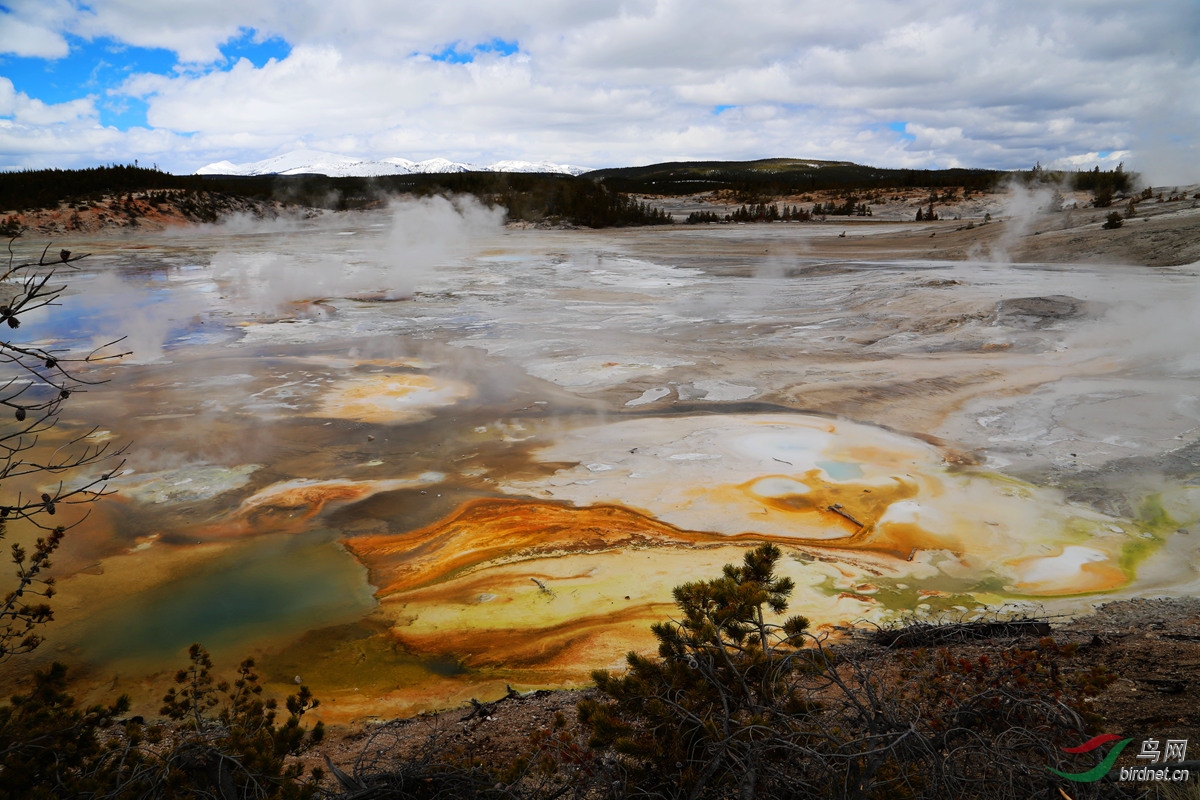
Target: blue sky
[[462, 53], [98, 67], [612, 82]]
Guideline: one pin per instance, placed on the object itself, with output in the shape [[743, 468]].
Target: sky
[[890, 83]]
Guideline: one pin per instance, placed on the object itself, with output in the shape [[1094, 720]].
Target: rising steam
[[422, 235], [413, 239], [1024, 204]]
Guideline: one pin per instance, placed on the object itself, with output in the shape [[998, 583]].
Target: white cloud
[[22, 39], [34, 28], [25, 110], [193, 29], [989, 84]]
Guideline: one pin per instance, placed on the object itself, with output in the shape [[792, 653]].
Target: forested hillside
[[527, 197], [596, 199]]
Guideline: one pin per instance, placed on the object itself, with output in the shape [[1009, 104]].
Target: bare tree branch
[[35, 382]]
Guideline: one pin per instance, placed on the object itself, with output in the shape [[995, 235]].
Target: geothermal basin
[[410, 457]]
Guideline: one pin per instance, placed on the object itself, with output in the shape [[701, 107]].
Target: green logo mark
[[1100, 770]]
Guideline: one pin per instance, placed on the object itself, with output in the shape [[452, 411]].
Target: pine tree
[[721, 675]]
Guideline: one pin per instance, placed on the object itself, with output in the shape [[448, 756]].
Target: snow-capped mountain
[[313, 162], [534, 166]]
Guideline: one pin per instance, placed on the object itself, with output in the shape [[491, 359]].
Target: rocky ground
[[1153, 646]]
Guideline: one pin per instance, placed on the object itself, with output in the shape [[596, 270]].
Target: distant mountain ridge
[[334, 165]]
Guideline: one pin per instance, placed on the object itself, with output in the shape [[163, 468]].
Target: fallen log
[[840, 511], [930, 634]]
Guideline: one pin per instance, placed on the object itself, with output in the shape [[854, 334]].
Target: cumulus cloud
[[29, 111], [22, 39], [924, 84], [35, 28]]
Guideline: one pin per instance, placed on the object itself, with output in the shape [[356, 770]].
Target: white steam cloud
[[1023, 205], [1149, 332], [423, 235], [416, 238]]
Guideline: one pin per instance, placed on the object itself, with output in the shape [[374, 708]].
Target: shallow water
[[269, 588], [521, 443]]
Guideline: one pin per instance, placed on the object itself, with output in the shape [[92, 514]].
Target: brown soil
[[142, 211]]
